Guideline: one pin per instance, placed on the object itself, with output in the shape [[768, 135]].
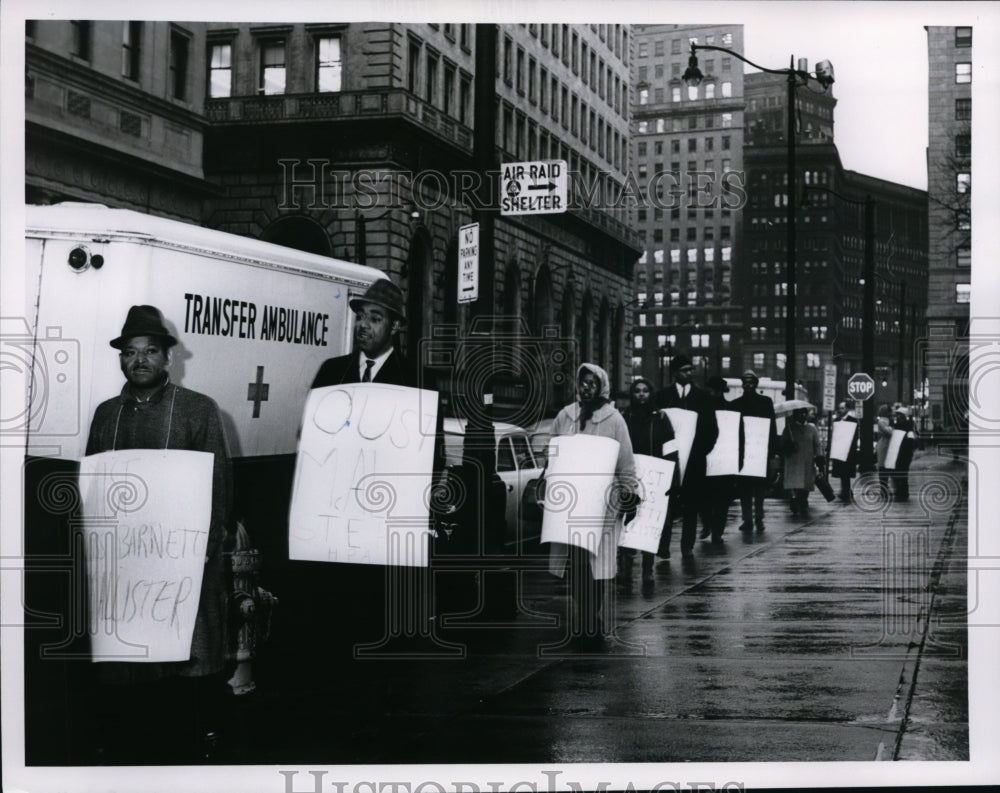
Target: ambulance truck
[[253, 320]]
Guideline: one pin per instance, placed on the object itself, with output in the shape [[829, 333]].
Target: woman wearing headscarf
[[593, 414], [800, 447], [651, 434]]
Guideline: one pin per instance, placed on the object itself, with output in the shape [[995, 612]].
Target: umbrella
[[783, 408]]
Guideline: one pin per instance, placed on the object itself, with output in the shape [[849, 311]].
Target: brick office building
[[949, 186]]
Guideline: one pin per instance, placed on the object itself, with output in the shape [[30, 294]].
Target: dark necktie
[[367, 376]]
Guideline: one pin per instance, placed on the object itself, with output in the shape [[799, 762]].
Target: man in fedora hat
[[378, 317], [186, 697], [752, 488], [694, 490], [397, 599]]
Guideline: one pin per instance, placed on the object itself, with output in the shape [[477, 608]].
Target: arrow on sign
[[550, 186]]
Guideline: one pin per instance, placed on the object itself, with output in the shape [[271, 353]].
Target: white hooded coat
[[606, 422]]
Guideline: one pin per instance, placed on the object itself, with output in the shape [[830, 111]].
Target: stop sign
[[860, 386]]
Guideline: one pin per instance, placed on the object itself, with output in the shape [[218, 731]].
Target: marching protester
[[723, 487], [651, 434], [844, 470], [801, 451], [401, 604], [752, 488], [181, 703], [694, 491], [593, 414], [883, 429], [901, 471]]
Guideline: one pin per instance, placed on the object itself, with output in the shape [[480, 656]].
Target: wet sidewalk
[[841, 637]]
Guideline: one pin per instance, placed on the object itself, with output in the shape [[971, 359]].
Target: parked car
[[516, 465]]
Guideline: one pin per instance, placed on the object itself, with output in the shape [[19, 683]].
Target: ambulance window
[[505, 456], [522, 452]]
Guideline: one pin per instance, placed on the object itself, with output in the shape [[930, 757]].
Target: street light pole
[[902, 339], [790, 223], [824, 76]]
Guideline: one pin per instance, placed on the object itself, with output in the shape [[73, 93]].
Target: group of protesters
[[644, 428]]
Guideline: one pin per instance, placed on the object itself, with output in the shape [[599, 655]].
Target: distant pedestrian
[[723, 487], [593, 414], [651, 434], [694, 490], [901, 472], [883, 431], [801, 450], [753, 488], [844, 470]]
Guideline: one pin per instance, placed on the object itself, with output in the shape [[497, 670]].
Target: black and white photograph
[[462, 397]]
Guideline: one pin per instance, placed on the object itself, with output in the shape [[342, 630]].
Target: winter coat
[[606, 422], [883, 429], [177, 418], [800, 448]]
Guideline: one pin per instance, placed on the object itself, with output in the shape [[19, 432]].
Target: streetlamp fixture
[[824, 76]]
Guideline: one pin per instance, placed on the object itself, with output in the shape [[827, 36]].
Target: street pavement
[[837, 637]]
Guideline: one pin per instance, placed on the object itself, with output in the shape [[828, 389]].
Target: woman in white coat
[[593, 414]]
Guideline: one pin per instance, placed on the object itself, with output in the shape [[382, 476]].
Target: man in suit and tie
[[695, 486], [404, 612], [378, 316]]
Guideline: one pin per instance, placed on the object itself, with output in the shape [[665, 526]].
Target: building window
[[963, 293], [272, 67], [643, 96], [727, 89], [812, 360], [220, 70], [508, 61], [963, 72], [963, 109], [962, 181], [179, 48], [758, 360], [710, 90], [328, 64], [727, 122], [430, 90], [447, 99], [131, 49], [464, 97], [963, 146], [81, 38], [520, 70], [963, 37], [532, 72], [413, 67], [963, 257]]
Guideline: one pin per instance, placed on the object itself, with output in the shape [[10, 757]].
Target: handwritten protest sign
[[363, 476], [892, 453], [146, 516], [724, 459], [684, 422], [654, 476], [843, 439], [577, 484], [756, 436]]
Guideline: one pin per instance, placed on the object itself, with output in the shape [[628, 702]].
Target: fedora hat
[[385, 294], [679, 362], [143, 321]]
